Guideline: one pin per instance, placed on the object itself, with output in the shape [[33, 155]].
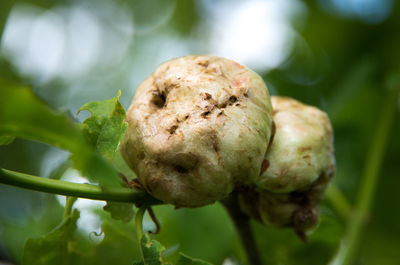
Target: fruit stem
[[242, 224], [69, 202], [139, 228]]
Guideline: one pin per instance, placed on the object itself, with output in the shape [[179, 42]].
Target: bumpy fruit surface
[[301, 150], [296, 170], [198, 126]]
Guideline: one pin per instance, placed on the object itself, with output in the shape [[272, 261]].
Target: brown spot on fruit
[[159, 99], [304, 218], [205, 114], [140, 156], [222, 105], [173, 129], [232, 99], [181, 169], [264, 166], [215, 143], [184, 118], [304, 149], [273, 131], [203, 63]]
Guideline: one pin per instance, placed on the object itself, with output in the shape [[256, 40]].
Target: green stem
[[139, 228], [243, 228], [74, 189], [69, 202], [4, 13], [338, 201], [373, 164]]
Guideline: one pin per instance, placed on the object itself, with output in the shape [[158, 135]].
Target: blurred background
[[339, 55]]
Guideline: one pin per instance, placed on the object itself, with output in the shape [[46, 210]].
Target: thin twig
[[69, 202], [87, 191], [243, 228], [139, 228], [339, 201], [155, 220]]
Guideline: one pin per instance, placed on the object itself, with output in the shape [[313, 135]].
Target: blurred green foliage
[[52, 248], [343, 64], [23, 115]]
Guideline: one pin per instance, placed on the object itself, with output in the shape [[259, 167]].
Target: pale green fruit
[[301, 149], [297, 168], [198, 126]]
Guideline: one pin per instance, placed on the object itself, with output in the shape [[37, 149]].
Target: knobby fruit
[[296, 170], [301, 150], [201, 127], [198, 127]]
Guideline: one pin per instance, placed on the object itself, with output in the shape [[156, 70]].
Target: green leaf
[[152, 250], [120, 164], [118, 247], [152, 254], [120, 211], [23, 115], [52, 248], [104, 130], [6, 140], [106, 126], [186, 260]]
